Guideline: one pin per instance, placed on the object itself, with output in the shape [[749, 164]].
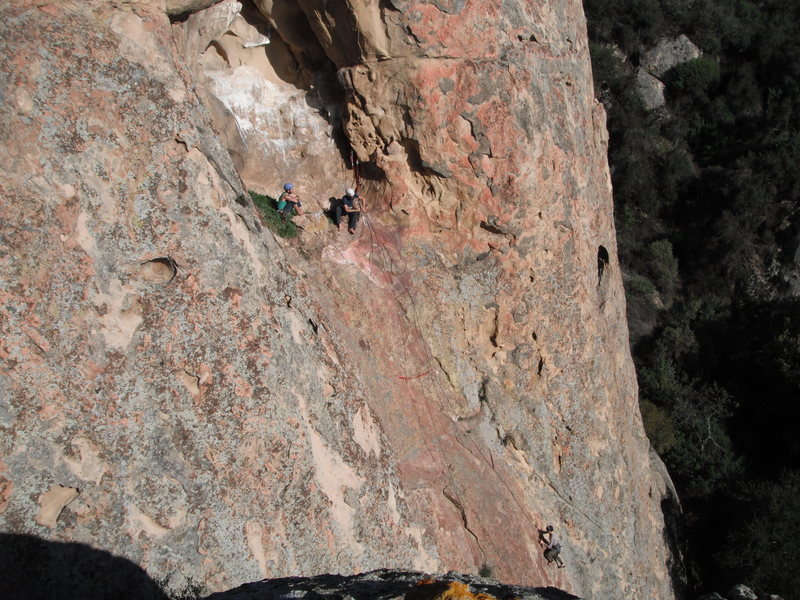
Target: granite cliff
[[182, 388]]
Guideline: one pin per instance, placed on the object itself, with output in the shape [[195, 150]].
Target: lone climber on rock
[[350, 205], [552, 546]]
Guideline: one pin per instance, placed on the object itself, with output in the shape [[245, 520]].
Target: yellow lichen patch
[[457, 591], [429, 589]]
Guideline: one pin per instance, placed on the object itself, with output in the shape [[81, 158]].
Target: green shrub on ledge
[[268, 208]]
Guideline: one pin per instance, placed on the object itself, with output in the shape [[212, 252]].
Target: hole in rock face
[[179, 17], [158, 270], [314, 325], [602, 263]]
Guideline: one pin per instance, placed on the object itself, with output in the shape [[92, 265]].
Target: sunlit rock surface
[[228, 406]]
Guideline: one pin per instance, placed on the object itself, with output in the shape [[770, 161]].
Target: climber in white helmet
[[351, 205]]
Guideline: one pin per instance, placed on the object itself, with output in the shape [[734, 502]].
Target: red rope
[[415, 377]]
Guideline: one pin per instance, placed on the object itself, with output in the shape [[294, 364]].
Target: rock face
[[185, 390]]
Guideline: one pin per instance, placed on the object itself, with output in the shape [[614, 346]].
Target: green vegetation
[[706, 199], [268, 209], [770, 516], [697, 76]]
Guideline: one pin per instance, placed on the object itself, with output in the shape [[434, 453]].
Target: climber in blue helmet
[[289, 201]]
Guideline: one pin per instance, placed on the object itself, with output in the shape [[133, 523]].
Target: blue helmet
[[288, 187]]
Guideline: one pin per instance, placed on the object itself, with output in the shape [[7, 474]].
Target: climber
[[351, 205], [552, 544], [288, 201]]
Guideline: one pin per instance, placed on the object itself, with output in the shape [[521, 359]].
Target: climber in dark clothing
[[350, 205], [552, 546]]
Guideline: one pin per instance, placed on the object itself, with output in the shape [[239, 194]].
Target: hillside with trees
[[706, 205]]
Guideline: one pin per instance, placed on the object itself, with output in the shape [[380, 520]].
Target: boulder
[[651, 89], [667, 54], [741, 592]]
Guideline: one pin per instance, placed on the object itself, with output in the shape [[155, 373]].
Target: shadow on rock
[[387, 585], [35, 569]]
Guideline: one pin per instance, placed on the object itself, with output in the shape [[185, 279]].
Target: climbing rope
[[396, 270], [438, 393]]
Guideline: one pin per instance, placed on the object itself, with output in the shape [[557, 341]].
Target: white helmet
[[351, 192]]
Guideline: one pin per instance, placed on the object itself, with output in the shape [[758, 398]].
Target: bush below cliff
[[706, 193]]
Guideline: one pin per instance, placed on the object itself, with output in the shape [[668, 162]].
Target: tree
[[765, 545]]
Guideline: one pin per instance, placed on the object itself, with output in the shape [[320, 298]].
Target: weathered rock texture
[[228, 407]]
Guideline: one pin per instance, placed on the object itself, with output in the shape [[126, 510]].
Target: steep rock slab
[[160, 368], [491, 226]]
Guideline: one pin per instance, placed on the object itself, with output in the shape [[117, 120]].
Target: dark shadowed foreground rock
[[385, 584], [32, 568], [740, 592]]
